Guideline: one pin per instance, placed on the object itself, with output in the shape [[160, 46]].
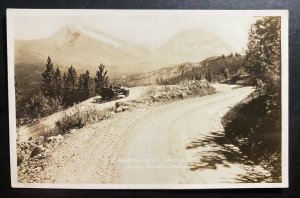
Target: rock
[[39, 155], [37, 150], [119, 109], [32, 144], [189, 92], [120, 96], [118, 104], [51, 139], [59, 137], [125, 108], [154, 98], [38, 169], [182, 95], [73, 131], [40, 140], [23, 152]]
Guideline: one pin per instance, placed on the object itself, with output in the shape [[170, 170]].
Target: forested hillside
[[214, 69]]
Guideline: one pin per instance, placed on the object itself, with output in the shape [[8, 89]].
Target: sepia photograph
[[148, 99]]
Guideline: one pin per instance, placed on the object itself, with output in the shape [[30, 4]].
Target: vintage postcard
[[148, 99]]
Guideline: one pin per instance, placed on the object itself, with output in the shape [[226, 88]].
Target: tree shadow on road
[[216, 149]]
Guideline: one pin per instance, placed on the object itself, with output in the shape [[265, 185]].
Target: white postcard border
[[11, 13]]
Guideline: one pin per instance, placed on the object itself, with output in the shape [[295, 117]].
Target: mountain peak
[[67, 28], [66, 35]]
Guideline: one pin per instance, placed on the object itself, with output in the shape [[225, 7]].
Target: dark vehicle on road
[[109, 93]]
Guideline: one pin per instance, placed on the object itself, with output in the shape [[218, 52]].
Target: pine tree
[[237, 54], [88, 85], [47, 82], [101, 79], [58, 84], [64, 88], [80, 88], [85, 86], [70, 87]]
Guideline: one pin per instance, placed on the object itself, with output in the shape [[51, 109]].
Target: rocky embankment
[[32, 155], [168, 93]]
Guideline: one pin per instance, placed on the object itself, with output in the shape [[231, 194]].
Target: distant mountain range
[[85, 48]]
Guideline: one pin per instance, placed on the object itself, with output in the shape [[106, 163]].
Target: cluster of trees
[[59, 90], [259, 121], [70, 88], [218, 69], [263, 60], [263, 56]]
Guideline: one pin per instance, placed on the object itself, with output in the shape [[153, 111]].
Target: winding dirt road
[[148, 145]]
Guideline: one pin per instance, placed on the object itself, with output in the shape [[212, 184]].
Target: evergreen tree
[[223, 73], [85, 86], [208, 76], [41, 106], [80, 88], [64, 88], [237, 54], [70, 87], [58, 84], [101, 79], [47, 82], [263, 57], [88, 85]]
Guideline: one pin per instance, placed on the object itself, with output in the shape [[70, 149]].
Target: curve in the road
[[156, 152]]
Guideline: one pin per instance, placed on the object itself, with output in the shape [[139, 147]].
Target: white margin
[[11, 13]]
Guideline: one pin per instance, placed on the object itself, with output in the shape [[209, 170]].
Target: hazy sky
[[147, 30]]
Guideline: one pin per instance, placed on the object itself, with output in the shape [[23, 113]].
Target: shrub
[[79, 117], [69, 121], [150, 91], [41, 106], [47, 132], [166, 88]]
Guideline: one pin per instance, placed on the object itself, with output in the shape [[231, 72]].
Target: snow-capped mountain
[[82, 48], [193, 46]]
